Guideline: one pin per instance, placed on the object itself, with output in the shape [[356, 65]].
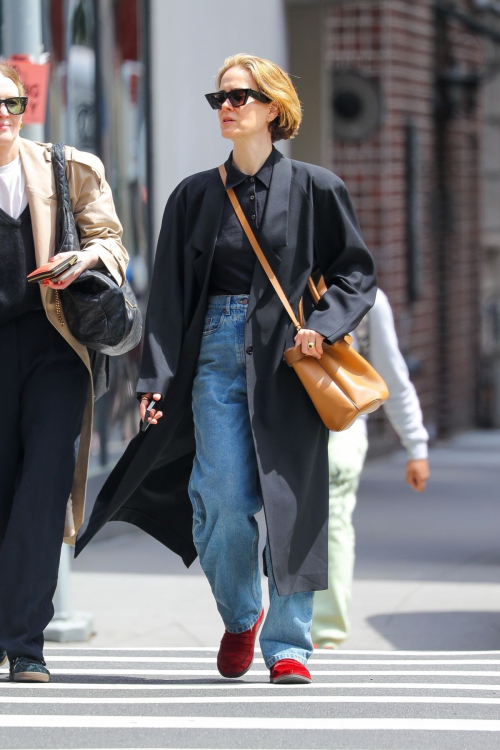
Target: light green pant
[[347, 451]]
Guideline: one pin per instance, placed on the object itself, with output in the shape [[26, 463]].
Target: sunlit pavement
[[174, 698], [421, 669], [427, 571]]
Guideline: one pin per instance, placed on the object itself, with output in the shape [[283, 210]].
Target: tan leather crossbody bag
[[342, 385]]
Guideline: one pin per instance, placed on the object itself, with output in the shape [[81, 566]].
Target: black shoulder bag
[[100, 314]]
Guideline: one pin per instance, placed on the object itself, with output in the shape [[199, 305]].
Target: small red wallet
[[53, 269]]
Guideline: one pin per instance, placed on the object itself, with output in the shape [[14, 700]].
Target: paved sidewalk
[[427, 573]]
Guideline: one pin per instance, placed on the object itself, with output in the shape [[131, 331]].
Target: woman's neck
[[9, 153], [249, 156]]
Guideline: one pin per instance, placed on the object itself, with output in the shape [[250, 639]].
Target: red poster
[[36, 80]]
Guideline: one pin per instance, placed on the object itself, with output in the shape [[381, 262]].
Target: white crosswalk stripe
[[176, 697]]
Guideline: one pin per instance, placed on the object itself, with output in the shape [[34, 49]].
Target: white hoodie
[[402, 407]]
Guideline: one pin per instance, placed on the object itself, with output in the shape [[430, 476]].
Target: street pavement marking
[[257, 673], [258, 660], [234, 685], [237, 722], [338, 698], [245, 700], [257, 650]]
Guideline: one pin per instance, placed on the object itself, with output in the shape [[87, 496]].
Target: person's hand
[[305, 337], [154, 415], [417, 474], [86, 259]]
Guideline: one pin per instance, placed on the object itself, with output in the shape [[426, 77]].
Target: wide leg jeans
[[225, 493], [43, 386]]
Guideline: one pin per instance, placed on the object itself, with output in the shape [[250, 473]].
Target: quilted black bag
[[100, 314]]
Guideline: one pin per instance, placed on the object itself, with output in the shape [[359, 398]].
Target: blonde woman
[[48, 392], [239, 431]]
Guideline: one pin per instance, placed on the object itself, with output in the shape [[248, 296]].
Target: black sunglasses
[[237, 97], [16, 105]]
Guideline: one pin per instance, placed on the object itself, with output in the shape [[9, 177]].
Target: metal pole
[[62, 597], [147, 20], [22, 35], [67, 626]]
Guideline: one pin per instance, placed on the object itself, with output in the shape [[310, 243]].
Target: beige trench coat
[[100, 229]]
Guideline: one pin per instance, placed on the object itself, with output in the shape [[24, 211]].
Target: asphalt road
[[427, 573], [174, 698], [420, 671]]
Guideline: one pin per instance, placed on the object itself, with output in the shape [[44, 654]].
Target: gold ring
[[311, 345]]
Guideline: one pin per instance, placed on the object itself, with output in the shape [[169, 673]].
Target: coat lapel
[[275, 224], [41, 198], [207, 226], [274, 230]]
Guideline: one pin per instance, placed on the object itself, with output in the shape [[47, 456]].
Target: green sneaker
[[25, 669], [3, 657]]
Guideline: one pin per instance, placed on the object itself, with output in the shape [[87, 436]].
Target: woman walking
[[45, 376], [239, 430]]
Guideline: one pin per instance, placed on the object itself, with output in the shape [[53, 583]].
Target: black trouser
[[43, 390]]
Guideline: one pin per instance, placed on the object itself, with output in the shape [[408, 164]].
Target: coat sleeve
[[94, 211], [343, 258], [164, 329]]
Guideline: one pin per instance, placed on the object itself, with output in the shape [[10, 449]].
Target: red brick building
[[392, 104]]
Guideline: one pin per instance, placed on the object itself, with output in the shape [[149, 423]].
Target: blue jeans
[[225, 492]]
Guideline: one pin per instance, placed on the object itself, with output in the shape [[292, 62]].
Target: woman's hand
[[86, 259], [417, 474], [305, 337], [154, 415]]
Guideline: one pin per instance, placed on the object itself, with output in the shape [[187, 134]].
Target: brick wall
[[463, 258], [394, 42]]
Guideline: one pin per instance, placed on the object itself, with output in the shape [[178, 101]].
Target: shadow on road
[[440, 631]]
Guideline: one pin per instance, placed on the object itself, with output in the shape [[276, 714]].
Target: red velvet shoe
[[236, 651], [289, 672]]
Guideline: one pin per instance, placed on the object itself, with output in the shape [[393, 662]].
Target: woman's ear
[[273, 112]]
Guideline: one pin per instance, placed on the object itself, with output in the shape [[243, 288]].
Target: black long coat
[[309, 223]]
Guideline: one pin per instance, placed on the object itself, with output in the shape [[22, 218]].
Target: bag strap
[[62, 189], [257, 249], [67, 235]]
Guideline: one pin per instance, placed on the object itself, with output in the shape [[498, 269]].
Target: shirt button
[[252, 179], [253, 216], [249, 349], [252, 197]]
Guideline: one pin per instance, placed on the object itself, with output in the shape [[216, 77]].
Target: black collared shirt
[[234, 260]]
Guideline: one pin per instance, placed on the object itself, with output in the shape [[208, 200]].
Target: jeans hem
[[241, 628], [286, 655]]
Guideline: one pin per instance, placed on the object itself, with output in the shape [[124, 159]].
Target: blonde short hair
[[275, 84], [9, 72]]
